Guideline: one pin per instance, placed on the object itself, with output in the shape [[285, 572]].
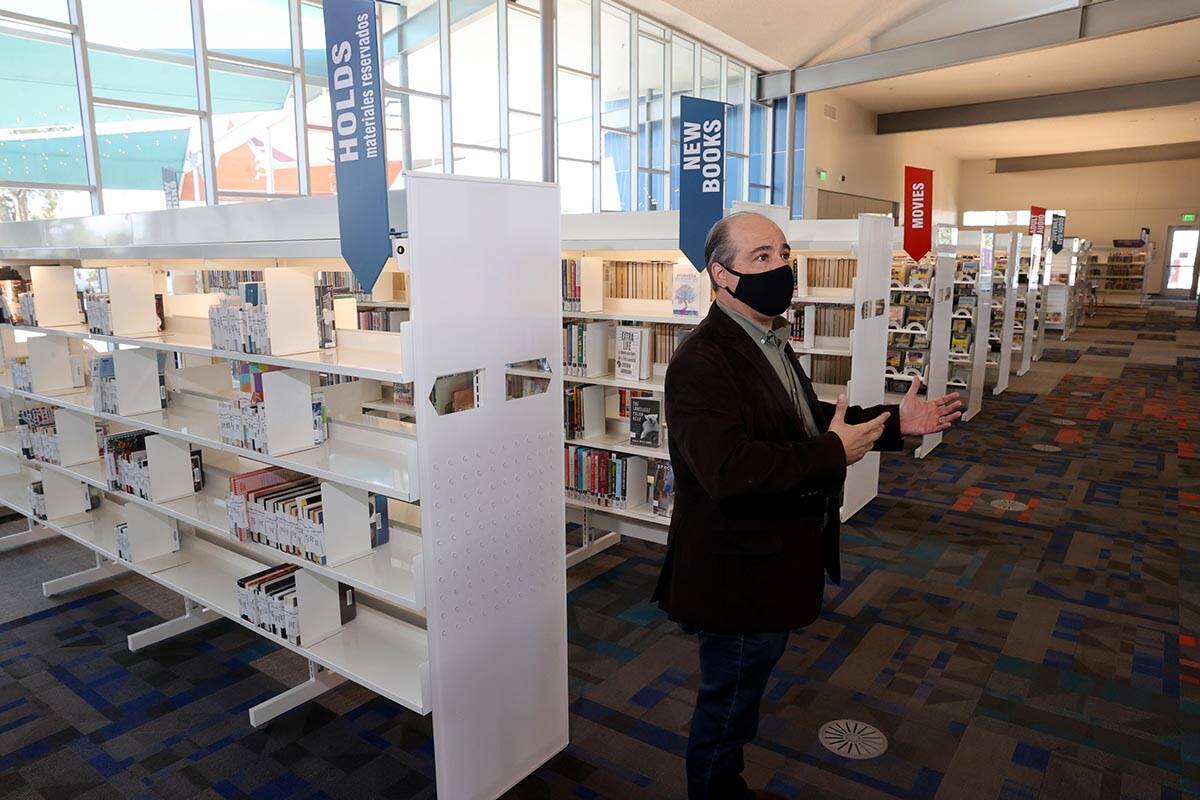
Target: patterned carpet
[[1020, 616]]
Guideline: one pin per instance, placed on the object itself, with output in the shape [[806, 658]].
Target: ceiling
[[1168, 51], [1140, 128], [787, 32]]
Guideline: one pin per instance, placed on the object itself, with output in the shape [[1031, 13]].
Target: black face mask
[[768, 293]]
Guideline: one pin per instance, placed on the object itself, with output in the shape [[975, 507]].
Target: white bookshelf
[[1029, 296], [868, 240], [478, 564], [968, 367], [1065, 292], [1119, 274], [940, 290], [1007, 283]]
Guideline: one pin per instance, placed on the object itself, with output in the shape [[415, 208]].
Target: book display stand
[[1119, 274], [928, 332], [971, 319], [1005, 323], [1030, 301], [1065, 291], [845, 339], [428, 568]]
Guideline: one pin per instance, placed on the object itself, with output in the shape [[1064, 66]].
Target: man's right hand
[[857, 440]]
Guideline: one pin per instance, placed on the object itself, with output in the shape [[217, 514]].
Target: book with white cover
[[685, 289], [633, 352]]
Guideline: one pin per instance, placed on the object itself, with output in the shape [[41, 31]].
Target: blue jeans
[[734, 669]]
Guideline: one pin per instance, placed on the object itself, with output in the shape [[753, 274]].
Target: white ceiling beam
[[1048, 30]]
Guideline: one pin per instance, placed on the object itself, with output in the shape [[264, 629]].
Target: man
[[759, 465]]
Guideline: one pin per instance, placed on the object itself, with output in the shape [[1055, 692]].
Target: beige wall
[[873, 165], [1102, 203]]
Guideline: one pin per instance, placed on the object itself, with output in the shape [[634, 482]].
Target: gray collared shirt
[[773, 343]]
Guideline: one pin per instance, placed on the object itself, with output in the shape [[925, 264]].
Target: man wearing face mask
[[759, 465]]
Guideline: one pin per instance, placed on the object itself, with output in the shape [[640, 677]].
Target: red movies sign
[[918, 212], [1037, 220]]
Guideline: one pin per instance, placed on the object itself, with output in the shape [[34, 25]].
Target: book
[[664, 488], [645, 421], [685, 289], [896, 315], [633, 352]]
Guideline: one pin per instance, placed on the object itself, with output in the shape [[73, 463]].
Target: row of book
[[830, 272], [906, 272], [344, 283], [242, 422], [227, 281], [571, 284], [104, 383], [36, 495], [907, 360], [795, 316], [270, 600], [12, 285], [27, 309], [904, 340], [908, 308], [21, 373], [127, 464], [605, 478], [830, 369], [833, 321], [518, 386], [642, 280], [238, 322], [381, 319], [134, 545]]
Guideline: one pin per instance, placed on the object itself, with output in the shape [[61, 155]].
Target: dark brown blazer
[[747, 550]]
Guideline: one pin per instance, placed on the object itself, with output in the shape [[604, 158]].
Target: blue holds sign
[[360, 163], [1058, 225], [701, 174]]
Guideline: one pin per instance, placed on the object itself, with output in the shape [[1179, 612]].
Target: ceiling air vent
[[830, 111]]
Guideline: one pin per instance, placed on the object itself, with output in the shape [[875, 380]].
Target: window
[[475, 93], [575, 34], [710, 75], [779, 152], [140, 152], [735, 116], [41, 141], [46, 9], [524, 95], [411, 49], [254, 130], [615, 172], [575, 183], [760, 189], [574, 116], [252, 29], [614, 68], [142, 51], [651, 121]]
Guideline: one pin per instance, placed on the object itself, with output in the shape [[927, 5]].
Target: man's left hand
[[919, 417]]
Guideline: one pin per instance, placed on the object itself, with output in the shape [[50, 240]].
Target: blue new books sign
[[356, 105], [701, 175]]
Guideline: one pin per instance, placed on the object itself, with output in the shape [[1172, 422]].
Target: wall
[[873, 165], [1102, 203]]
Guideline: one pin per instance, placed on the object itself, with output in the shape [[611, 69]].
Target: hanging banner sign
[[1037, 220], [1057, 225], [918, 211], [702, 174], [356, 108], [1134, 243]]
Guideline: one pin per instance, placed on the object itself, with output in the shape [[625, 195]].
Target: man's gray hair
[[717, 247]]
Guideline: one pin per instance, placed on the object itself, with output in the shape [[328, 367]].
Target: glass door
[[1179, 262]]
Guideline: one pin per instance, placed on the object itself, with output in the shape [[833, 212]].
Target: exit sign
[[1188, 217]]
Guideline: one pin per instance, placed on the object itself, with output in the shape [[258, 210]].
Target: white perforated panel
[[485, 277]]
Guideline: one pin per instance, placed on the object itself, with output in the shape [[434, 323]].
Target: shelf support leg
[[26, 537], [68, 583], [320, 681], [193, 617]]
